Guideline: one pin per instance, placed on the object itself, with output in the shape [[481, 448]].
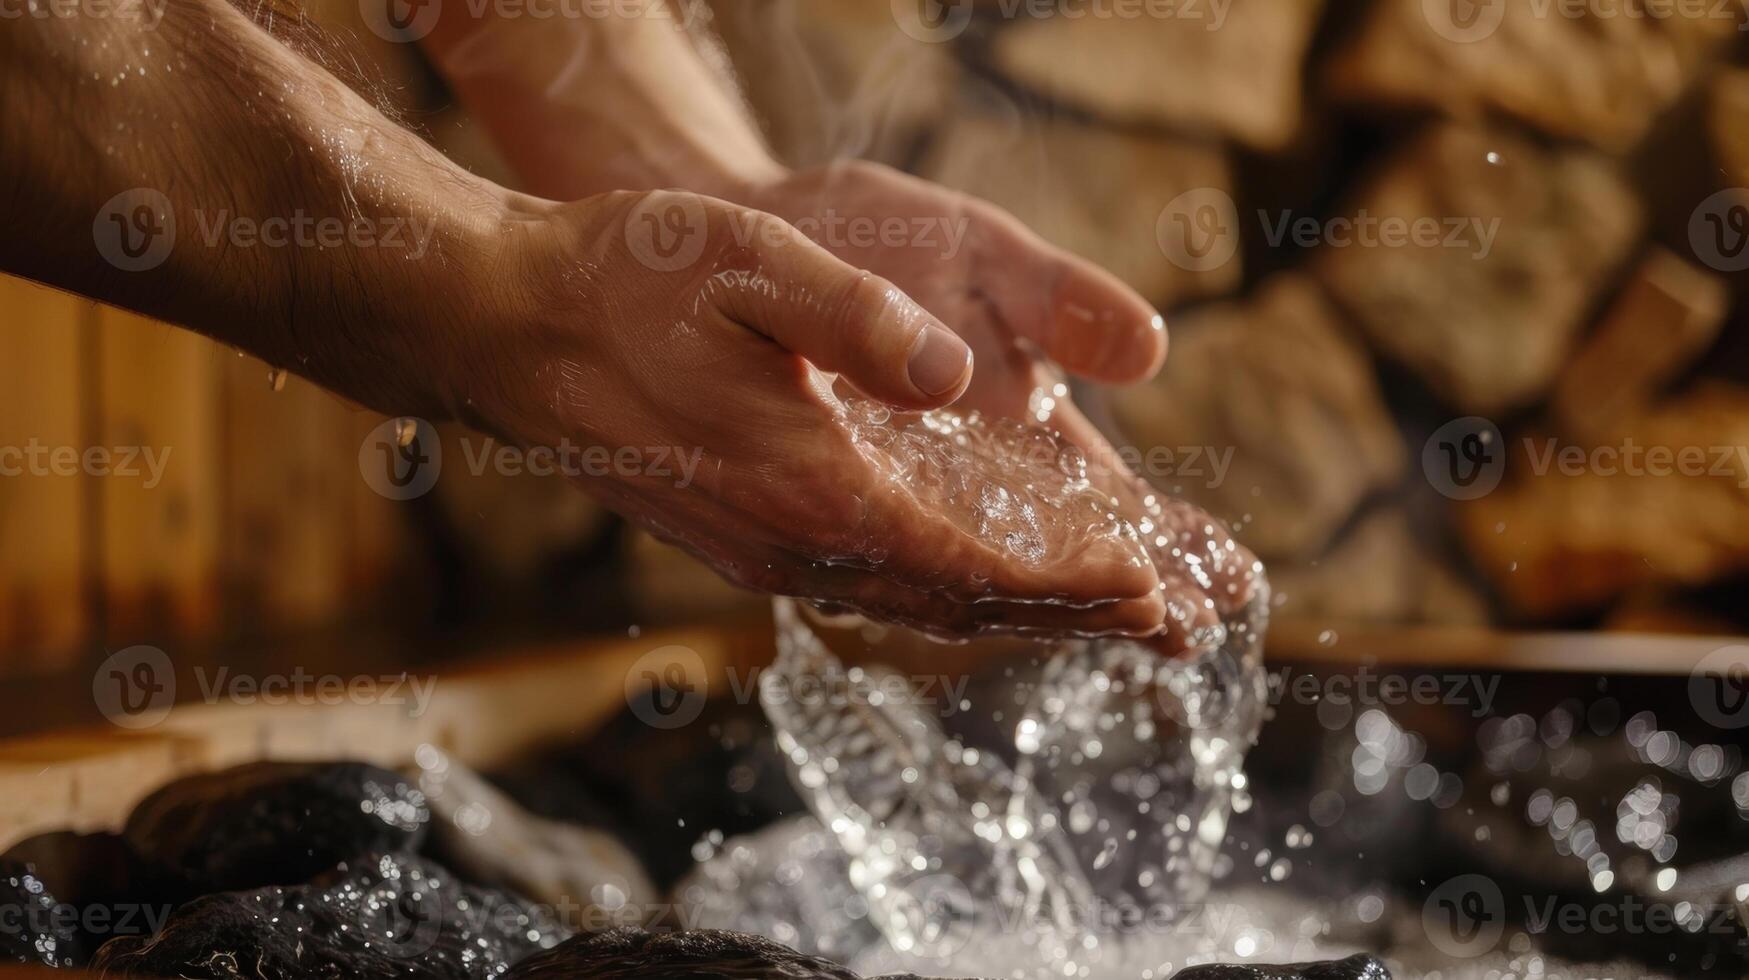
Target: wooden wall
[[254, 518]]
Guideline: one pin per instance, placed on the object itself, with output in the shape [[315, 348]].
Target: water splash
[[1111, 795]]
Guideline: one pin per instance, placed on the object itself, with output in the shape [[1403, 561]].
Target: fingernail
[[939, 360]]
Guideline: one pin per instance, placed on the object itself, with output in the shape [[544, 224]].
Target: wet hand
[[667, 319]]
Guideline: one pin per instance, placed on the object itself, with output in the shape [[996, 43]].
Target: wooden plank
[[44, 532], [482, 715], [1332, 642], [160, 529], [290, 479], [378, 542]]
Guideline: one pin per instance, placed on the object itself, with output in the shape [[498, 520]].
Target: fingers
[[840, 318], [1083, 317], [878, 597]]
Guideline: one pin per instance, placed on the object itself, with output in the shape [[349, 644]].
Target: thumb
[[840, 318]]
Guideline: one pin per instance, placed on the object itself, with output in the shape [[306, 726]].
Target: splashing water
[[1111, 793], [999, 481]]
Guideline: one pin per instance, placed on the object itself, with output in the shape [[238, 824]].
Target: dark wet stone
[[385, 916], [701, 954], [99, 892], [705, 954], [272, 823], [720, 772], [34, 928], [1357, 967]]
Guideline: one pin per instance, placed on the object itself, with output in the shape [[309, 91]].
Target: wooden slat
[[378, 542], [44, 534], [1339, 643], [483, 716], [290, 480], [160, 542]]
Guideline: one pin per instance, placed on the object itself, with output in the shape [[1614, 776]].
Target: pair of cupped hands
[[720, 325]]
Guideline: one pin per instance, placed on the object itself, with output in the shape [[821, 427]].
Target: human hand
[[1024, 307], [671, 320]]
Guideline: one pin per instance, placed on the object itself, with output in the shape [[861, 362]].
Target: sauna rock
[[33, 933], [384, 916], [1356, 967], [632, 954], [273, 823]]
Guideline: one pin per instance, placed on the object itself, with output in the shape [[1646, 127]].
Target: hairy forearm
[[187, 165], [605, 96]]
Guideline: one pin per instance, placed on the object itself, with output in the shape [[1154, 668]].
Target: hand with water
[[669, 319], [578, 108]]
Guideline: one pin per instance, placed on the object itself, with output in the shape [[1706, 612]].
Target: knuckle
[[855, 311]]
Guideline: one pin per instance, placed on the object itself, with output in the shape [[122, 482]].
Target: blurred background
[[1436, 275]]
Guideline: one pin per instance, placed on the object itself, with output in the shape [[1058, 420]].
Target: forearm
[[615, 97], [280, 212]]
